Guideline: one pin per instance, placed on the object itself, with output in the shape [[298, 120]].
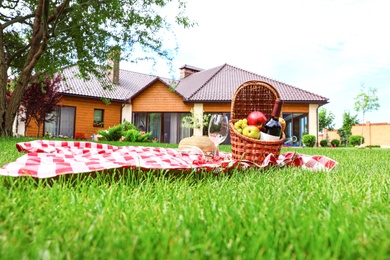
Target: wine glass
[[218, 130]]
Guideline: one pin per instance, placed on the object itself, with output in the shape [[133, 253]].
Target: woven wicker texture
[[252, 96]]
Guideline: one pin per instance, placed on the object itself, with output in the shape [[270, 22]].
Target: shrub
[[134, 135], [128, 126], [324, 143], [112, 134], [355, 140], [309, 140], [80, 136], [335, 143]]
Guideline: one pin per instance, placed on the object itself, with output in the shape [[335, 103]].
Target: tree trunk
[[38, 46], [3, 85]]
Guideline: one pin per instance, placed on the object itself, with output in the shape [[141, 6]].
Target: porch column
[[198, 113], [127, 112], [313, 121]]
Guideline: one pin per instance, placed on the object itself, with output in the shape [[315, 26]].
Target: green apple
[[251, 131], [244, 123], [238, 124]]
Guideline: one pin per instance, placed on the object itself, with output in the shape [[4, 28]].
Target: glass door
[[154, 125], [63, 123]]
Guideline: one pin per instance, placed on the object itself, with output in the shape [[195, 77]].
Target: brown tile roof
[[130, 84], [136, 82], [219, 84], [93, 87], [213, 85]]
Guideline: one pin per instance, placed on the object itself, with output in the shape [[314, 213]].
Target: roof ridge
[[141, 73], [207, 81], [152, 75], [280, 82]]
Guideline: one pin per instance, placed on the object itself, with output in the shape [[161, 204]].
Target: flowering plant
[[48, 134], [80, 136]]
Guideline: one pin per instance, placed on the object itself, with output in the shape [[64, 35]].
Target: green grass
[[274, 214]]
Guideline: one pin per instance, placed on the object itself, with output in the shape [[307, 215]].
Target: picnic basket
[[253, 96]]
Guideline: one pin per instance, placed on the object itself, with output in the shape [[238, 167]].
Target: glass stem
[[217, 150]]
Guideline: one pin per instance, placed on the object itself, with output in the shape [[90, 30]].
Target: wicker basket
[[253, 96]]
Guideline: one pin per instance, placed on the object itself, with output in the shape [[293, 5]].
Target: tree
[[345, 130], [366, 101], [39, 100], [325, 119], [41, 36], [196, 122]]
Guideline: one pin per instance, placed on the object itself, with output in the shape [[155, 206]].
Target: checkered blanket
[[45, 159]]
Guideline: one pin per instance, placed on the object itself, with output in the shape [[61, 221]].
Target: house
[[159, 104]]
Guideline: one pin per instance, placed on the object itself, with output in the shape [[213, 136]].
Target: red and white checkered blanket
[[45, 159]]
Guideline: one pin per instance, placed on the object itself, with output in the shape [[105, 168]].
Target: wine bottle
[[273, 126]]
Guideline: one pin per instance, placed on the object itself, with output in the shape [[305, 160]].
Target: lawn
[[273, 214]]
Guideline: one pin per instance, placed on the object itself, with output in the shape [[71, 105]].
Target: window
[[296, 127], [98, 117], [63, 123]]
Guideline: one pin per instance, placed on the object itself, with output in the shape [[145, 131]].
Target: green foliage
[[335, 143], [366, 101], [309, 140], [194, 122], [345, 130], [128, 126], [112, 134], [325, 119], [134, 135], [356, 140], [127, 130], [324, 143]]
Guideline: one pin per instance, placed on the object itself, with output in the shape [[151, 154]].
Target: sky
[[328, 47]]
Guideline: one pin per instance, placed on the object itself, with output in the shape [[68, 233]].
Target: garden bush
[[309, 140], [112, 134], [128, 126], [127, 130], [355, 140], [134, 135], [324, 143], [335, 143]]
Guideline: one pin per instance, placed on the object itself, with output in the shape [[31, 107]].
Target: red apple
[[257, 119]]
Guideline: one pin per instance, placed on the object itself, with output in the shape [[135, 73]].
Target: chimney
[[187, 70], [113, 63]]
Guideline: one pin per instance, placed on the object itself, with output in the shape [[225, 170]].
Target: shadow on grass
[[126, 176]]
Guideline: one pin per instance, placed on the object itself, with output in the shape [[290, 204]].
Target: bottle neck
[[277, 108]]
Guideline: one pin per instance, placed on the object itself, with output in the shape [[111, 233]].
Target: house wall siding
[[84, 115], [216, 107], [158, 98], [295, 108]]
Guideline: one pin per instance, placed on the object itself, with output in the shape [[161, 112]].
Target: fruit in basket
[[256, 118], [240, 125], [251, 131], [282, 123]]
